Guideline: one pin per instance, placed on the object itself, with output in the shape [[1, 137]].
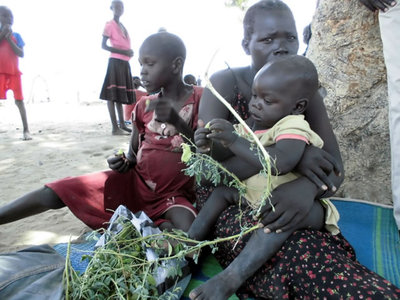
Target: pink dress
[[118, 38], [155, 185]]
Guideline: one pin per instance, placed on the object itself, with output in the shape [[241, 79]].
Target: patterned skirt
[[310, 265], [118, 83]]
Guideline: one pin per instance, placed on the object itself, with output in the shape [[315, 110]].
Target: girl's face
[[155, 67], [271, 99], [6, 17], [274, 34], [118, 8]]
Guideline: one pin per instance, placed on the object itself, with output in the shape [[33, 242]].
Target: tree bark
[[347, 51]]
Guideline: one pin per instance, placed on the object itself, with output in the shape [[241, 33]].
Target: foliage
[[120, 269], [202, 166], [242, 4]]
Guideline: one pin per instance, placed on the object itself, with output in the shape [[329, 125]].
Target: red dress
[[10, 75], [128, 108], [154, 185]]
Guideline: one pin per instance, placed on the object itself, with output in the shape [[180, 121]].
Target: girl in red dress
[[149, 177], [11, 47]]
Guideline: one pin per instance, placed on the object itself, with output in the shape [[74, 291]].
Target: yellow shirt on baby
[[290, 127]]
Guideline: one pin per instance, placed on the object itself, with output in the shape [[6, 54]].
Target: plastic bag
[[144, 225]]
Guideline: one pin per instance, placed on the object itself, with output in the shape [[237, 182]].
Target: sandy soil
[[68, 140]]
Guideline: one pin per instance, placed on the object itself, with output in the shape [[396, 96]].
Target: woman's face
[[274, 34]]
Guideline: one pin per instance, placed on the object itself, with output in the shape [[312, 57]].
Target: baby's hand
[[222, 131], [200, 139]]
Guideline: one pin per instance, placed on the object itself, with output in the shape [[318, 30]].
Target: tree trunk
[[347, 50]]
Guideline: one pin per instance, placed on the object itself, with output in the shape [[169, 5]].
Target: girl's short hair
[[263, 5]]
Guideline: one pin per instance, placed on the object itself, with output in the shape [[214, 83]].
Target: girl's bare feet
[[126, 129], [26, 136], [118, 132]]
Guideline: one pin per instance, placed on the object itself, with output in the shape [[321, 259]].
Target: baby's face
[[272, 99]]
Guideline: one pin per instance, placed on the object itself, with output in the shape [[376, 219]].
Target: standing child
[[118, 86], [11, 47], [149, 177], [281, 92]]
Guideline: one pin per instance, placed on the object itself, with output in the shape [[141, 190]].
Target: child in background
[[281, 92], [190, 79], [149, 177], [11, 47], [128, 108], [117, 87]]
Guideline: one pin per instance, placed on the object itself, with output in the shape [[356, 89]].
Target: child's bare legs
[[219, 200], [111, 109], [30, 204], [22, 111], [120, 112], [258, 250], [179, 217]]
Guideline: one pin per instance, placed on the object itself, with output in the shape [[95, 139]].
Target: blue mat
[[371, 230]]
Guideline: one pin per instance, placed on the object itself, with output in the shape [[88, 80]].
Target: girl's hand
[[164, 111], [374, 5], [129, 52], [222, 131], [6, 30], [316, 164], [291, 206], [120, 163]]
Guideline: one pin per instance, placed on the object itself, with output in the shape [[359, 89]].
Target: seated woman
[[311, 263], [282, 90]]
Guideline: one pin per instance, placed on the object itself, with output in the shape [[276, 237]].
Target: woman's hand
[[374, 5], [292, 201], [121, 163], [316, 164]]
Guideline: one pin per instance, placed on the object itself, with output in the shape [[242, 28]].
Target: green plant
[[120, 269]]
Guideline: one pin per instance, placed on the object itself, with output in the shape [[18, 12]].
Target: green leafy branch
[[120, 270], [265, 158]]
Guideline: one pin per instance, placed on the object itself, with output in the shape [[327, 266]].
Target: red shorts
[[11, 82]]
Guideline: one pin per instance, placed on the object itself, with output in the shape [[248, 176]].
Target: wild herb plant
[[120, 269]]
